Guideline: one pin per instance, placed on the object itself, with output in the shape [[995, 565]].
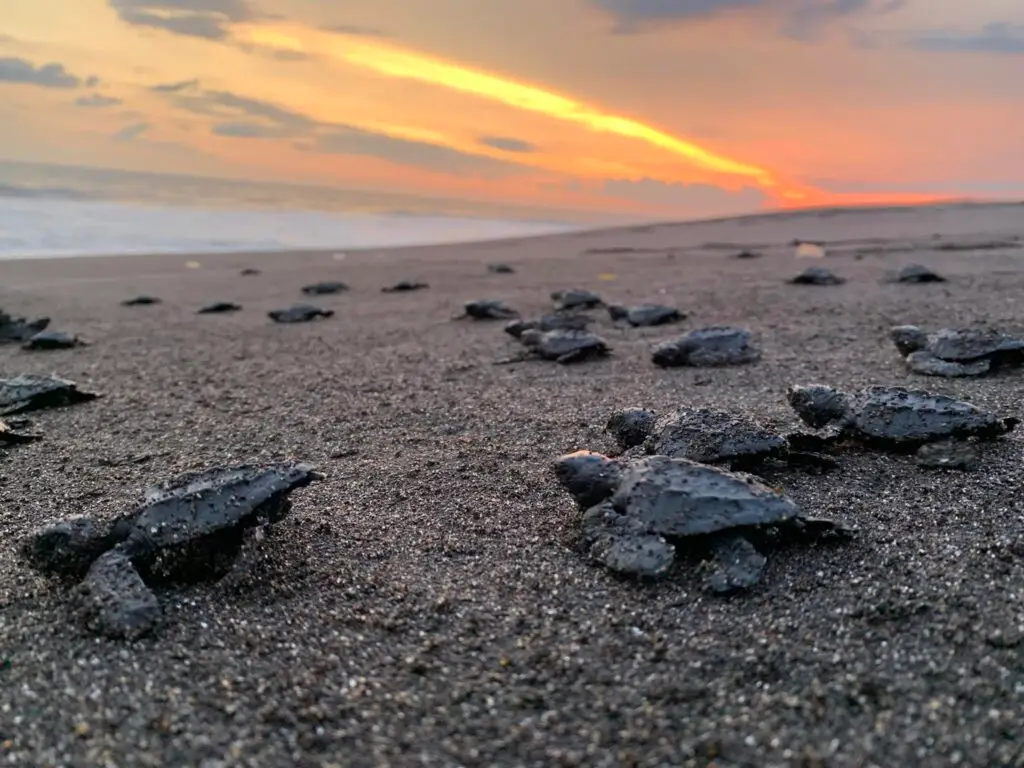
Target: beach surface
[[427, 603]]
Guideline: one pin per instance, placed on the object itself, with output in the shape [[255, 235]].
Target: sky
[[685, 108]]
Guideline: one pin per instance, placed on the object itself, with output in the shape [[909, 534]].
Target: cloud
[[131, 132], [799, 19], [51, 75], [997, 37], [97, 100], [184, 85], [506, 144], [355, 29], [688, 199], [206, 19], [248, 131]]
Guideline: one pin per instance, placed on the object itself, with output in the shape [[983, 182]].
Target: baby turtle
[[817, 276], [576, 298], [916, 273], [645, 315], [955, 352], [45, 340], [500, 269], [549, 323], [299, 313], [249, 272], [705, 435], [218, 307], [747, 255], [403, 286], [18, 329], [30, 392], [639, 512], [324, 289], [562, 345], [190, 529], [716, 345], [893, 418], [140, 301], [488, 309], [11, 434]]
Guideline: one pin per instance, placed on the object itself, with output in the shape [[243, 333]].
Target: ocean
[[50, 210]]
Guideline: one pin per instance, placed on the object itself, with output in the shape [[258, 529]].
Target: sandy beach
[[427, 605]]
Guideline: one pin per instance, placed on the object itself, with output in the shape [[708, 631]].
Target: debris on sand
[[717, 345], [645, 315], [500, 269], [188, 530], [957, 352], [18, 329], [249, 272], [817, 276], [30, 392], [488, 309], [49, 340], [299, 313], [218, 308], [640, 513]]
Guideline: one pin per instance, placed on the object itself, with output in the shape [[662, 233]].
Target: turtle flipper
[[114, 601], [623, 546], [737, 565], [926, 364], [810, 459], [69, 547]]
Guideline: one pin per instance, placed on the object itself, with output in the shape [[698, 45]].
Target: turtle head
[[531, 337], [516, 327], [617, 312], [908, 338], [590, 477], [70, 546], [631, 426], [818, 405]]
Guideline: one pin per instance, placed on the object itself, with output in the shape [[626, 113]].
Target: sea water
[[48, 210]]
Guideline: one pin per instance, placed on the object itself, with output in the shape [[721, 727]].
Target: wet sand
[[426, 605]]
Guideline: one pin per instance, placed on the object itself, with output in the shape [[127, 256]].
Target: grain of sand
[[426, 605]]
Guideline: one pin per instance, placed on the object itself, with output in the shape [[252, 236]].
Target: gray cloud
[[184, 85], [273, 53], [131, 132], [207, 19], [241, 130], [51, 75], [506, 144], [798, 19], [97, 100], [355, 29], [997, 37]]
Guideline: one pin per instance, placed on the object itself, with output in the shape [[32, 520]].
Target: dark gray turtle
[[18, 329], [488, 309], [546, 323], [955, 352], [190, 529], [140, 301], [705, 435], [817, 276], [893, 418], [747, 255], [563, 346], [916, 273], [403, 286], [716, 345], [324, 289], [11, 433], [249, 272], [500, 269], [218, 308], [46, 340], [639, 512], [299, 313], [645, 315], [576, 298], [30, 392]]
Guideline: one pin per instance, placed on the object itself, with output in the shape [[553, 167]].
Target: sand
[[426, 605]]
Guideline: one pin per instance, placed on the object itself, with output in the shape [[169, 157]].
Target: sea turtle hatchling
[[717, 345], [575, 298], [30, 392], [404, 286], [564, 322], [639, 512], [326, 288], [917, 273], [562, 345], [50, 340], [705, 435], [299, 313], [645, 315], [893, 418], [218, 308], [192, 528], [817, 276], [957, 352], [487, 309], [20, 329]]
